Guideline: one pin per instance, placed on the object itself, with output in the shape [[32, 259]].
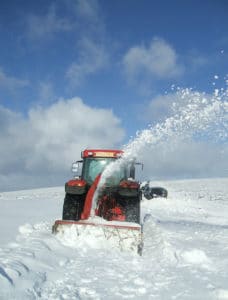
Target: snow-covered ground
[[185, 252]]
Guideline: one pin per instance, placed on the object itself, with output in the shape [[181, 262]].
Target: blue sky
[[116, 56]]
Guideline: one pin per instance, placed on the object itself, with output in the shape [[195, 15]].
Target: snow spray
[[192, 115]]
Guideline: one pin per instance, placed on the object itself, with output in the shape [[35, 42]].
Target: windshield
[[94, 166]]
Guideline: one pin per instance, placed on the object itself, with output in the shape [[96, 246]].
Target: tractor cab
[[95, 161]]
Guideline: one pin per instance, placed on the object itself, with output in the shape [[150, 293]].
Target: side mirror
[[77, 167], [132, 171], [140, 164], [132, 168]]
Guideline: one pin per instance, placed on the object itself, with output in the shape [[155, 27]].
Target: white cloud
[[85, 21], [46, 92], [160, 107], [159, 60], [92, 57], [11, 83], [42, 27], [82, 16], [91, 53], [185, 159], [88, 17], [88, 9], [43, 146], [198, 61], [195, 60]]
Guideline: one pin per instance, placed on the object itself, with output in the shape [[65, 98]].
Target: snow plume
[[194, 115], [194, 119]]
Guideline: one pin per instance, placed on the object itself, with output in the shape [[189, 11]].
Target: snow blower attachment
[[110, 210]]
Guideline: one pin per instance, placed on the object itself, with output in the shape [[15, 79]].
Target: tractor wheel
[[73, 206], [132, 209]]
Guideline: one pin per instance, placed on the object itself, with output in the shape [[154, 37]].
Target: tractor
[[104, 194]]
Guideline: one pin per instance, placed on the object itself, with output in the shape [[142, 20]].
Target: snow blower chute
[[111, 211]]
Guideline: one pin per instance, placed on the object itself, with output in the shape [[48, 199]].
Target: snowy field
[[185, 252]]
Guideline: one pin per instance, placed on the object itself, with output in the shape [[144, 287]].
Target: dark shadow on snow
[[4, 274]]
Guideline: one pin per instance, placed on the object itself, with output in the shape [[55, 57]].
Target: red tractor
[[95, 198]]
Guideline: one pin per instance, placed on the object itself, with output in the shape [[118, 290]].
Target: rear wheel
[[73, 207]]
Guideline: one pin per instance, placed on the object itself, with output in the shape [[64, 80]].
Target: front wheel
[[73, 207], [131, 206], [133, 210]]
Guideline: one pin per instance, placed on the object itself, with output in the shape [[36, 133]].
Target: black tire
[[158, 192], [155, 192], [73, 207], [132, 208], [147, 192], [133, 211]]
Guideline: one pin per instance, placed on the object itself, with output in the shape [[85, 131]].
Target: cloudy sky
[[90, 73]]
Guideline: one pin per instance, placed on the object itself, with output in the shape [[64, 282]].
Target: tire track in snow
[[38, 266], [25, 263]]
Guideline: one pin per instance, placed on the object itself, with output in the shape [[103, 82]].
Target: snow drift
[[185, 249]]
